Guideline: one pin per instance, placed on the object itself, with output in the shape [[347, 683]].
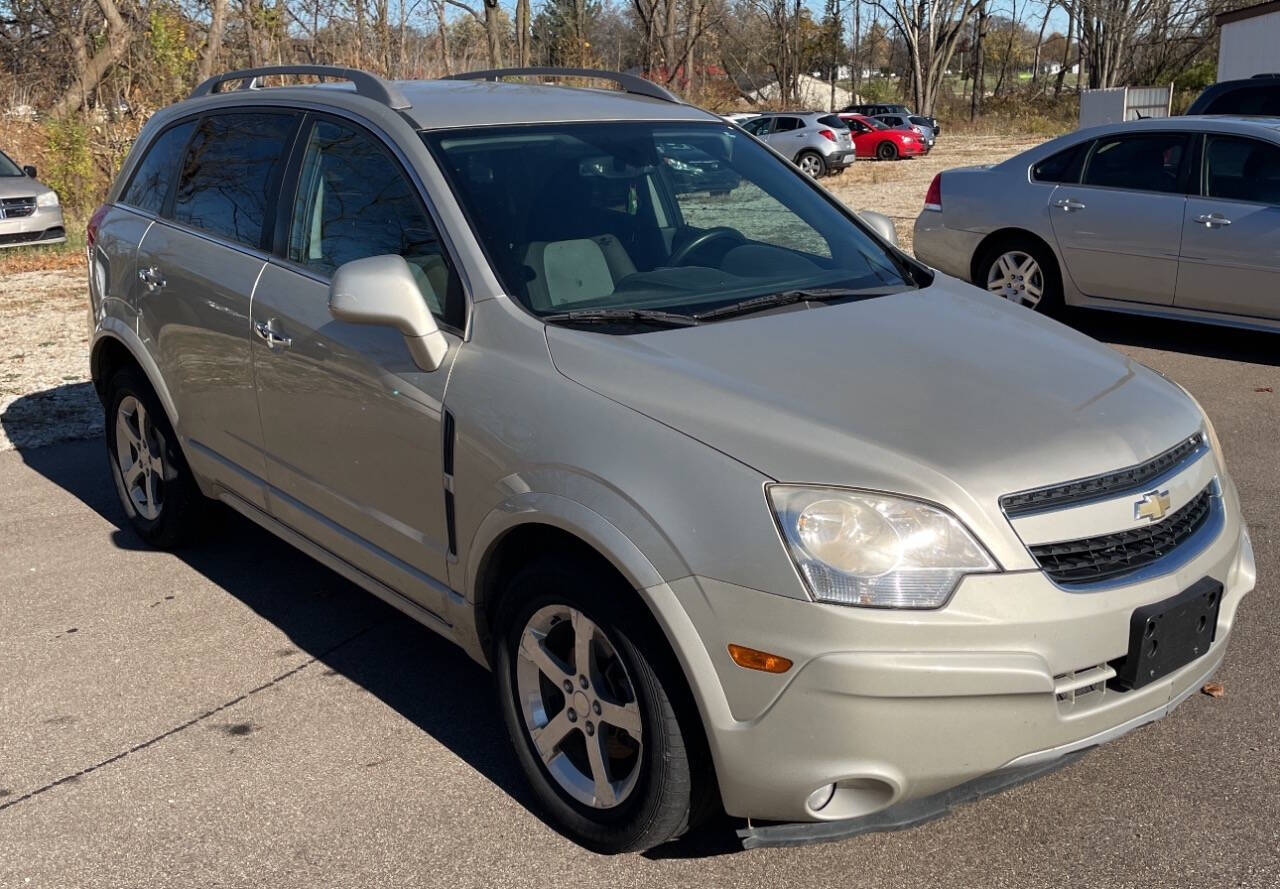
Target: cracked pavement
[[237, 715]]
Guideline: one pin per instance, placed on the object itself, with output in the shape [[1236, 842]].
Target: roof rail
[[629, 82], [366, 84]]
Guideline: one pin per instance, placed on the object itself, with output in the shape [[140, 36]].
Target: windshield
[[651, 216], [8, 167]]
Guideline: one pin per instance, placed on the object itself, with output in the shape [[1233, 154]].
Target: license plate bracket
[[1165, 636]]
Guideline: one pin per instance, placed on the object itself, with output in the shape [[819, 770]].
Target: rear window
[[230, 174], [833, 120], [155, 174], [1257, 100]]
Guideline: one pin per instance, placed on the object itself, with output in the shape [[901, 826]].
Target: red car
[[871, 138]]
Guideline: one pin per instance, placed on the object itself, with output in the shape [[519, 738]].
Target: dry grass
[[896, 188]]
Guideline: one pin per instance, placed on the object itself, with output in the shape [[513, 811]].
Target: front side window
[[157, 170], [354, 201], [1241, 169], [673, 217], [230, 174], [758, 127], [1143, 162], [8, 169]]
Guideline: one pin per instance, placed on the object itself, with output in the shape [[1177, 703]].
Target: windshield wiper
[[787, 297], [614, 316]]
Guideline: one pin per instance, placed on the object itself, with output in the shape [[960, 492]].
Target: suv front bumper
[[898, 706]]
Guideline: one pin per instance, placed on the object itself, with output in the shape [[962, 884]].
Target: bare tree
[[930, 30]]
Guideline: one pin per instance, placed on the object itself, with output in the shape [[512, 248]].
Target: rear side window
[[1242, 170], [150, 184], [1063, 166], [832, 120], [783, 124], [1145, 162], [230, 174], [1257, 100]]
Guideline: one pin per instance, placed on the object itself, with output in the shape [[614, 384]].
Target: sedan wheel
[[1017, 277], [579, 707]]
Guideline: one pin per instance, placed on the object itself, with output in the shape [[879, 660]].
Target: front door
[[1231, 236], [352, 426], [1118, 230]]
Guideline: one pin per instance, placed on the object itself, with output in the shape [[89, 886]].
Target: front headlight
[[47, 199], [871, 549]]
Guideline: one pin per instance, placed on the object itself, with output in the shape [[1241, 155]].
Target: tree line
[[124, 56]]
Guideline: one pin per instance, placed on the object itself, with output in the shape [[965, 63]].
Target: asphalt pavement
[[237, 715]]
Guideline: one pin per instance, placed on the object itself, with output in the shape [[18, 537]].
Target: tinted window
[[1242, 169], [1146, 162], [783, 124], [230, 173], [757, 127], [1063, 166], [8, 168], [353, 201], [151, 181], [1259, 99], [832, 120]]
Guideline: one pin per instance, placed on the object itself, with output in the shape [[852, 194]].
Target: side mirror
[[30, 170], [382, 290], [882, 225]]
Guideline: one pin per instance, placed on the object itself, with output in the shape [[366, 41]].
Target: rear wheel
[[1023, 271], [811, 164], [156, 487], [887, 151], [591, 714]]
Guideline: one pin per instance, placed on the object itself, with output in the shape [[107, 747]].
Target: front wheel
[[811, 164], [592, 720], [887, 151]]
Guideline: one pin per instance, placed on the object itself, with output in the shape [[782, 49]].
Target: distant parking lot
[[238, 715]]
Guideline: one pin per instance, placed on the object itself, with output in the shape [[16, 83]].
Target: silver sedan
[[1173, 217]]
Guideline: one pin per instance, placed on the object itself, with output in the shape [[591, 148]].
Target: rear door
[[353, 428], [786, 135], [1230, 258], [1119, 230], [197, 268]]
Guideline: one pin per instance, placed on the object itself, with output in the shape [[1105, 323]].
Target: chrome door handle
[[151, 278], [1212, 220], [1069, 204], [273, 339]]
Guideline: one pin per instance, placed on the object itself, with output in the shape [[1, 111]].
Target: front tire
[[591, 711], [887, 151], [156, 488], [811, 164]]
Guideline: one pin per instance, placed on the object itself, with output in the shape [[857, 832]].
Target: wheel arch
[[116, 346], [1008, 233]]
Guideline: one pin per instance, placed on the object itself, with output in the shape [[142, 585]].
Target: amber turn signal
[[753, 659]]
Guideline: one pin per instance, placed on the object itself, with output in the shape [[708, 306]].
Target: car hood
[[20, 187], [946, 393]]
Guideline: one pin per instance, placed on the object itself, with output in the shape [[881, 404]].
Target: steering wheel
[[700, 241]]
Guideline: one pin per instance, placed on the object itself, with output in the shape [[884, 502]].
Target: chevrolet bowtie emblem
[[1152, 506]]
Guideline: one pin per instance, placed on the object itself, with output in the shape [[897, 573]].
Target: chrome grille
[[1096, 487], [1108, 556], [16, 208]]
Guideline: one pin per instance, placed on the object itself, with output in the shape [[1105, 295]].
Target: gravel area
[[46, 396], [45, 393]]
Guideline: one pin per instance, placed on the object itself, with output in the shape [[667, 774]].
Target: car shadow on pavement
[[350, 632], [1170, 335]]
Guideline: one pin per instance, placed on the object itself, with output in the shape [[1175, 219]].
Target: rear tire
[[811, 164], [645, 783], [887, 151], [1023, 270], [156, 488]]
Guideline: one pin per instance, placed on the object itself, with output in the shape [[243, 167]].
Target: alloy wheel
[[811, 166], [579, 707], [139, 450], [1017, 277]]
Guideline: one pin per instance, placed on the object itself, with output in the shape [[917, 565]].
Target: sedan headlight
[[871, 549], [47, 199]]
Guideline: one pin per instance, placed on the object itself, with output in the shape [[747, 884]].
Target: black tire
[[674, 789], [1050, 302], [180, 508], [815, 161], [887, 151]]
